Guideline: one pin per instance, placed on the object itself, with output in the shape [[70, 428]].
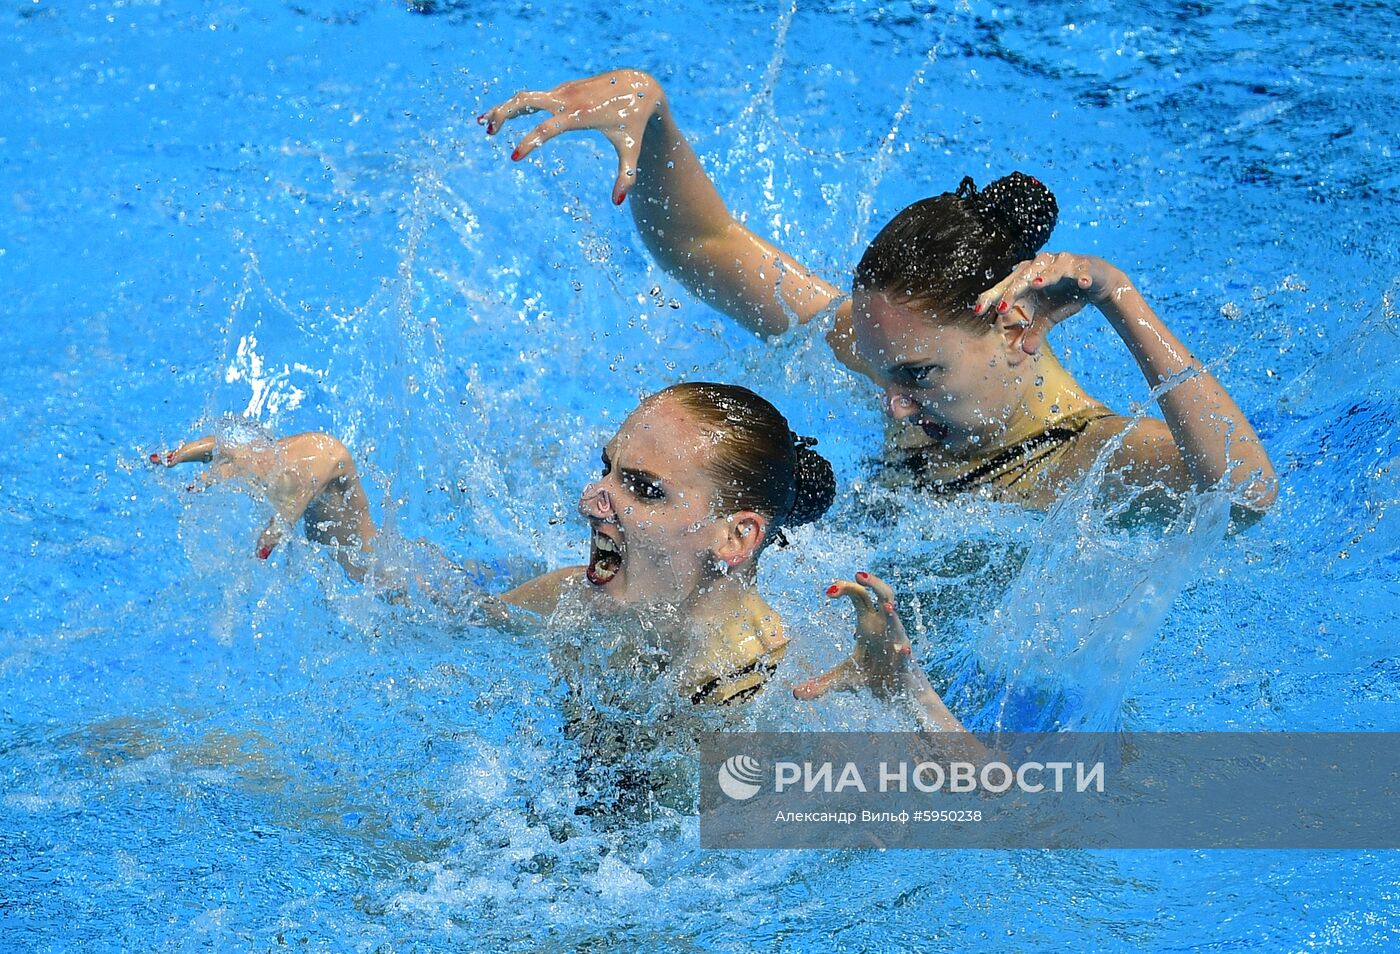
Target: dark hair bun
[[1019, 205], [816, 484]]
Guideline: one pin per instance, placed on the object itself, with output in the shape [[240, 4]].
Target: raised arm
[[1208, 439], [679, 214]]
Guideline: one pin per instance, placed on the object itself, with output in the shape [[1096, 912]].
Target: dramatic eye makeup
[[644, 485], [640, 483], [920, 374]]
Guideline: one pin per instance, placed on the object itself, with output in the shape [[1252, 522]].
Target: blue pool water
[[286, 212]]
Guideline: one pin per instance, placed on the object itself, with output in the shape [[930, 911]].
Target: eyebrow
[[645, 476], [635, 474]]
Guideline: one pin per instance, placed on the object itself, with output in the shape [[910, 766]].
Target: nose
[[595, 502], [898, 403]]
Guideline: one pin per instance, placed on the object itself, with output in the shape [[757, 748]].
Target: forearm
[[929, 705], [1215, 439], [690, 232], [674, 204]]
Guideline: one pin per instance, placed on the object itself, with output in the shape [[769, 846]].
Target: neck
[[1056, 395]]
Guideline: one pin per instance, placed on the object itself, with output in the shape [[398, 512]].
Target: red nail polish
[[155, 458], [515, 156], [905, 650], [832, 590], [264, 553], [889, 608], [490, 129], [862, 575], [1002, 307], [480, 119], [1039, 280], [617, 199]]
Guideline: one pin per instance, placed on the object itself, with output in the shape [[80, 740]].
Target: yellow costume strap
[[1009, 465]]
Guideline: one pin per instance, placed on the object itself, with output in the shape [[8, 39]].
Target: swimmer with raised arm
[[948, 315], [697, 482]]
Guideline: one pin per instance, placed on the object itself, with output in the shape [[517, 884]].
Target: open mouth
[[604, 559]]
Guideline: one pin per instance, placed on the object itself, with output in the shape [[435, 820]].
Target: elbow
[[1253, 498]]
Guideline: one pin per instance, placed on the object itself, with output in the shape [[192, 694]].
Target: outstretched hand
[[1048, 289], [618, 104], [309, 476], [883, 656]]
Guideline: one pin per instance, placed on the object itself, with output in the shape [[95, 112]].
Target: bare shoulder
[[1143, 452], [541, 594]]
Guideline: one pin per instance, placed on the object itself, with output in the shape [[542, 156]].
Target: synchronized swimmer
[[947, 315], [698, 481]]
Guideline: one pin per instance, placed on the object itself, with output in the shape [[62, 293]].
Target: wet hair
[[758, 463], [946, 250]]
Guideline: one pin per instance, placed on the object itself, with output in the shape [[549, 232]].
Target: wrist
[[1118, 298]]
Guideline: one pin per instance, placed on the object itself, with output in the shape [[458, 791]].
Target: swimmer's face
[[652, 511], [960, 386]]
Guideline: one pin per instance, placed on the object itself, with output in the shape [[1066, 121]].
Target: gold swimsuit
[[741, 685], [1005, 467]]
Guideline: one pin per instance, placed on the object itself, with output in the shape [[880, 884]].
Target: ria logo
[[739, 777]]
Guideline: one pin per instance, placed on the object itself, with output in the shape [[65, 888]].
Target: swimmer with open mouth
[[697, 482]]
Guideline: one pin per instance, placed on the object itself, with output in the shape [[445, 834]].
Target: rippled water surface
[[286, 213]]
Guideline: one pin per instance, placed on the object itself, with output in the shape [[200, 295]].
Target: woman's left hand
[[883, 658], [1048, 289]]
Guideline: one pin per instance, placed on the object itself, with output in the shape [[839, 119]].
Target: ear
[[743, 534], [1012, 327]]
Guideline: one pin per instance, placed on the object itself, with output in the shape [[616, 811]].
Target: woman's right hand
[[619, 104], [679, 213], [308, 475]]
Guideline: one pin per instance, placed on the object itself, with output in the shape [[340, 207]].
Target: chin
[[610, 594]]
